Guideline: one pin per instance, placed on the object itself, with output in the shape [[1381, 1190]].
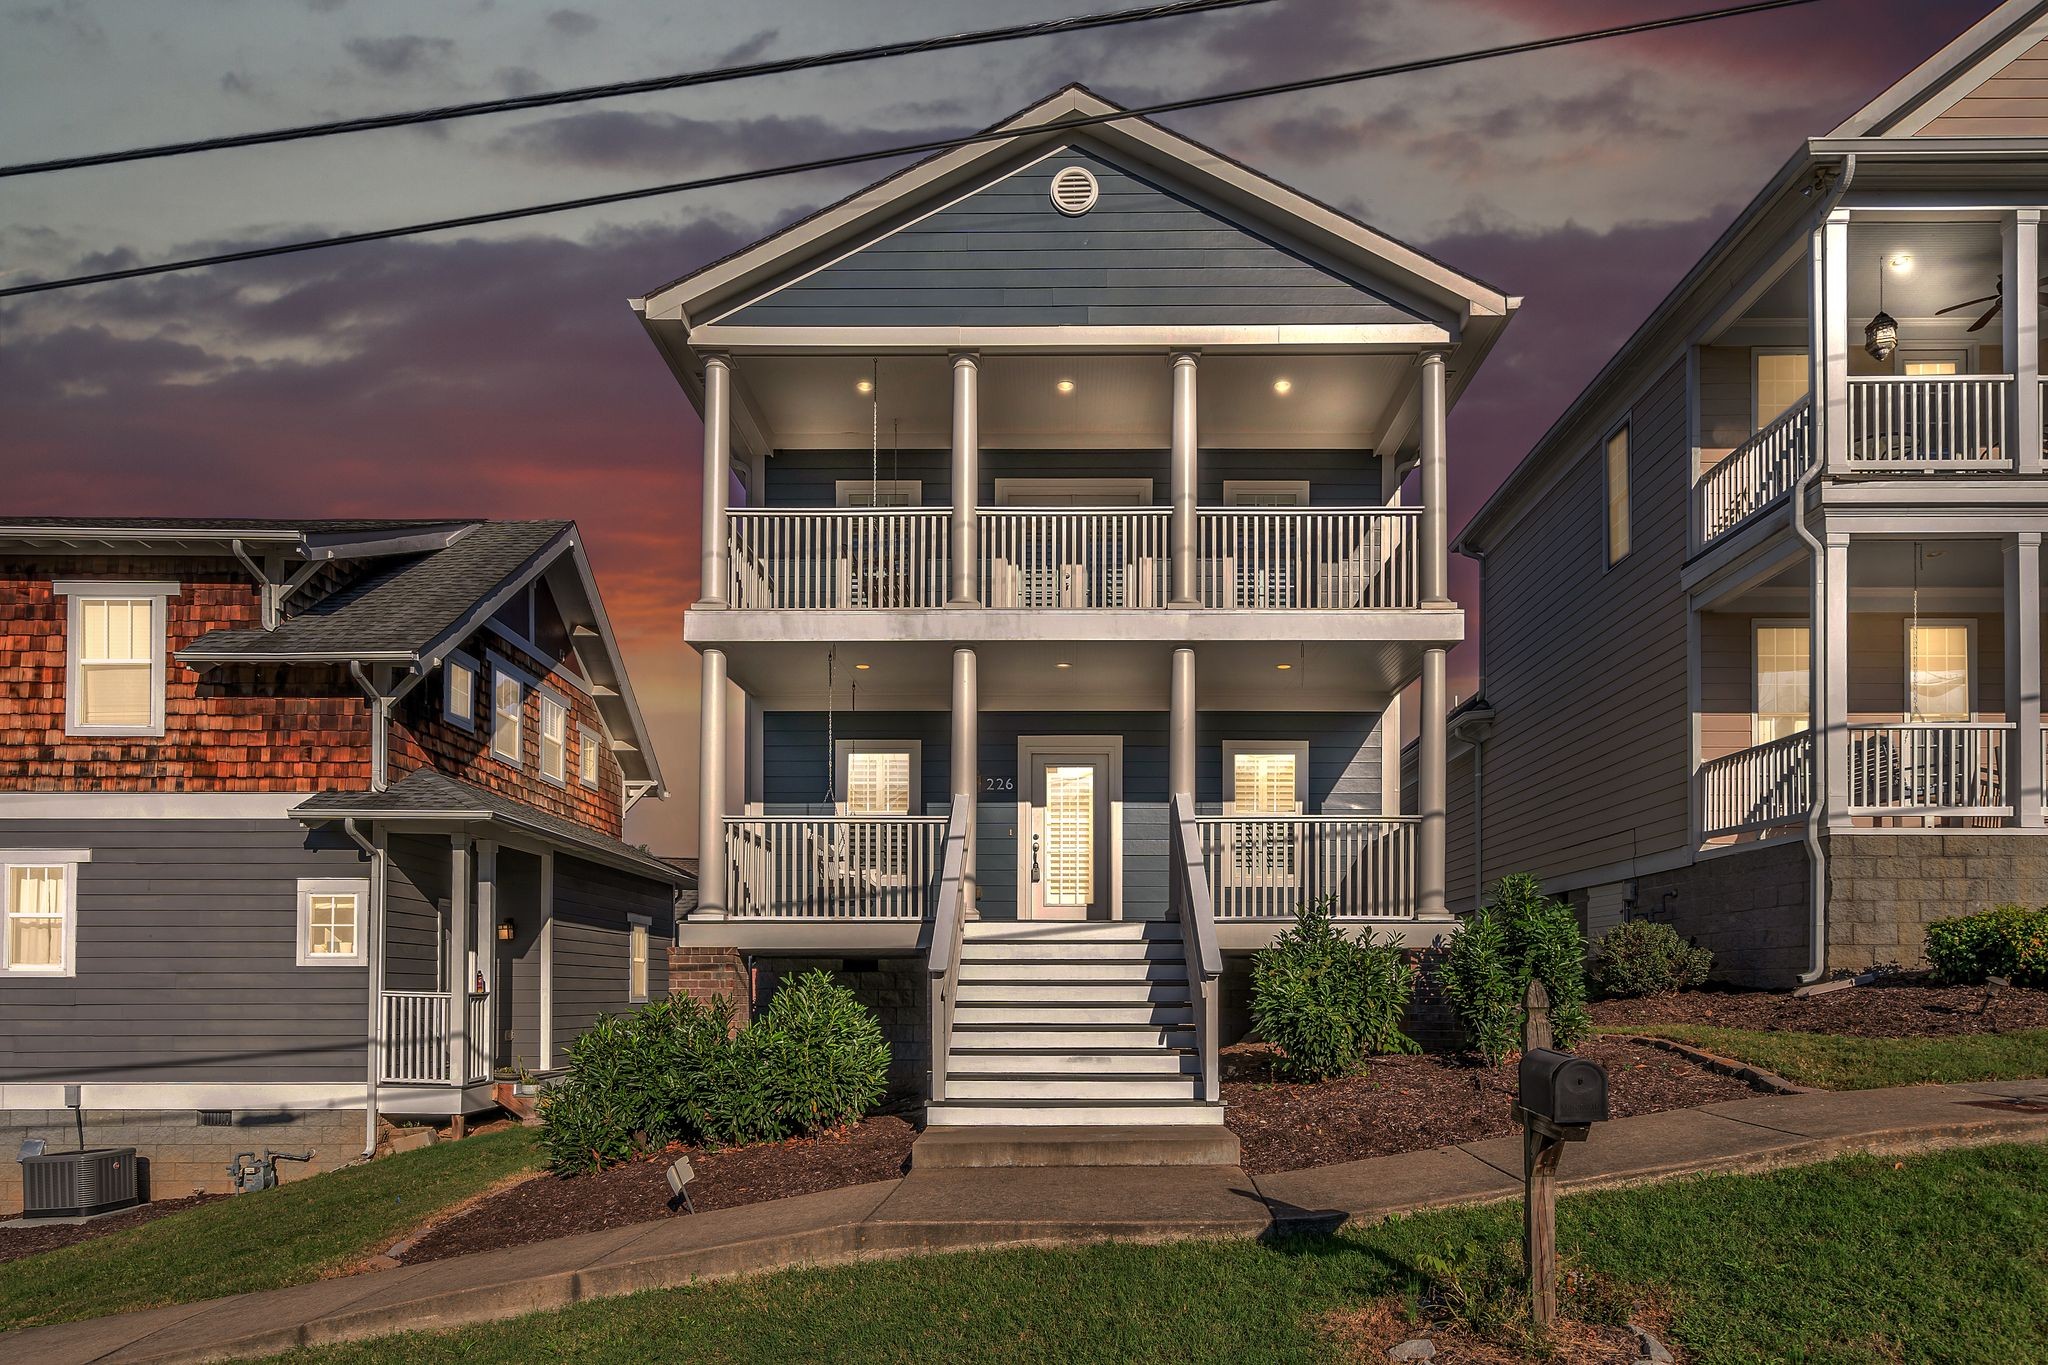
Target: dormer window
[[116, 643]]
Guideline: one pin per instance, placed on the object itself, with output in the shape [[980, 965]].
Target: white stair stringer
[[1073, 1025]]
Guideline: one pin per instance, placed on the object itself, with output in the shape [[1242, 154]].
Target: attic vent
[[1074, 191]]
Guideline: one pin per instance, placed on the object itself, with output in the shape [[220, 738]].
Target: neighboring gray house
[[302, 820], [1057, 596], [1835, 418]]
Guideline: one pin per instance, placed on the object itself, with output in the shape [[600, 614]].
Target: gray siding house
[[1058, 593], [1762, 646], [306, 822]]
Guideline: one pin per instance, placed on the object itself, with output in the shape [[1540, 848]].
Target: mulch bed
[[1406, 1104], [637, 1192], [16, 1243], [1883, 1009]]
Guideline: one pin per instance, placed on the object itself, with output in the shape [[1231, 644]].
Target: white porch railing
[[1758, 788], [1261, 867], [1308, 558], [1091, 557], [892, 558], [413, 1038], [827, 867], [1754, 475], [1930, 768], [1928, 422]]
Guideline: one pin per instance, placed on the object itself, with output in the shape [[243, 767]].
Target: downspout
[[263, 585], [373, 954], [380, 725], [1478, 743], [1816, 686]]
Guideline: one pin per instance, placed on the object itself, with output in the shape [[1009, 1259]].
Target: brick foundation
[[182, 1156], [703, 974], [1748, 909]]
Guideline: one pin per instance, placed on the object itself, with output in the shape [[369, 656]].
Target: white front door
[[1065, 853]]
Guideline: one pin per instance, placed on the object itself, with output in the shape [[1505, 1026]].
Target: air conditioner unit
[[73, 1184]]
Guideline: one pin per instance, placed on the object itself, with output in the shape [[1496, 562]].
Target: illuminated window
[[41, 914], [879, 776], [1617, 497], [1783, 680], [586, 756], [115, 650], [1068, 847], [508, 704], [1781, 381], [458, 695], [636, 971], [1938, 668], [1929, 368], [331, 921], [554, 739]]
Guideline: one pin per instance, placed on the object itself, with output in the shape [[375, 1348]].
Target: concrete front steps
[[951, 1149], [1080, 1026]]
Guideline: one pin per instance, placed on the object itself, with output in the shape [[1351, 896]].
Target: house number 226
[[999, 784]]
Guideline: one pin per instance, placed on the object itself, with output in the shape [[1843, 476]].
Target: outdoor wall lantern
[[506, 928]]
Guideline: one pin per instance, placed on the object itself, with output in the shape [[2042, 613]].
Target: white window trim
[[309, 887], [82, 590], [1297, 747], [1756, 389], [1970, 681], [463, 660], [498, 663], [557, 674], [1628, 511], [67, 858], [645, 924], [843, 490], [1010, 491], [1762, 623], [1234, 489], [587, 741], [842, 763], [540, 766]]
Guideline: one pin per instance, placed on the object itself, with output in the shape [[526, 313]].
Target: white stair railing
[[1930, 768], [1261, 867], [1754, 475], [1088, 557], [949, 928], [1307, 558], [413, 1037], [1928, 422], [833, 867], [797, 558], [1194, 904], [1758, 788]]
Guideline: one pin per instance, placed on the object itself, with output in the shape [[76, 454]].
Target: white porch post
[[1831, 709], [1432, 787], [1180, 750], [1186, 438], [2023, 673], [2022, 231], [1832, 398], [486, 939], [966, 760], [966, 575], [547, 960], [713, 897], [717, 478], [460, 940], [1436, 512]]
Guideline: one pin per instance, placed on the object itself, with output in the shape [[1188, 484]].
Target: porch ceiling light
[[1283, 667], [864, 386], [1283, 386], [1901, 262], [1065, 386], [1062, 664]]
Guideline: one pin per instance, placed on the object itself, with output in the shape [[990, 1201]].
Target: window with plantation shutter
[[1068, 848], [878, 784]]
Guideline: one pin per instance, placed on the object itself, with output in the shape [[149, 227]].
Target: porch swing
[[846, 872]]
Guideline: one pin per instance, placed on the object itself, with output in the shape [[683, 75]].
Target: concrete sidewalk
[[956, 1209]]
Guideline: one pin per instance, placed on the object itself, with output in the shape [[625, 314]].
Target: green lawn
[[258, 1241], [1835, 1062], [1851, 1261]]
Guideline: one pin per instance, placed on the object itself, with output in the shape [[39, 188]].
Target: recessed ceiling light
[[1065, 386], [1283, 387], [1063, 664], [1901, 262], [1283, 667], [864, 386], [863, 667]]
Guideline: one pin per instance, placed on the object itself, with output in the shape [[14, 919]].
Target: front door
[[1066, 837]]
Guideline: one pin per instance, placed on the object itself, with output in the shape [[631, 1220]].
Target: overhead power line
[[907, 149], [511, 104]]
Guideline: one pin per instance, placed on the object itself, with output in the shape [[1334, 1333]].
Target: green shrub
[[1480, 982], [1643, 957], [1489, 962], [2010, 941], [675, 1069], [1329, 1001]]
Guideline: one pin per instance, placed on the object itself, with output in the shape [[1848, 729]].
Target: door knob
[[1034, 857]]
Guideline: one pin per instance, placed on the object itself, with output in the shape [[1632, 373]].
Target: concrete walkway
[[955, 1209]]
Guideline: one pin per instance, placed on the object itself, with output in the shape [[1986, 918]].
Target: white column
[[2023, 337], [966, 759], [1832, 400], [712, 893], [966, 570], [1830, 638], [486, 939], [717, 478], [1432, 786], [2023, 673], [1436, 511], [460, 940], [1185, 441], [1180, 750], [547, 960]]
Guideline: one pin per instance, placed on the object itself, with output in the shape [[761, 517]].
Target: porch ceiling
[[1947, 262]]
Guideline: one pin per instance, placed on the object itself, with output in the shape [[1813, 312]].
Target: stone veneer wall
[[183, 1156], [1885, 887], [893, 987]]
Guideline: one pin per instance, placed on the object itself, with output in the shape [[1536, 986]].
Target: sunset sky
[[502, 374]]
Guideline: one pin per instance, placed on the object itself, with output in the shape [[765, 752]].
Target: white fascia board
[[1067, 339], [1937, 83], [149, 805], [1429, 626], [622, 700]]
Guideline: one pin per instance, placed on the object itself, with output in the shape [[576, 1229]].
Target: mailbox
[[1566, 1090]]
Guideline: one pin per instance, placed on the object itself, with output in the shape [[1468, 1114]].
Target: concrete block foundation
[[184, 1156]]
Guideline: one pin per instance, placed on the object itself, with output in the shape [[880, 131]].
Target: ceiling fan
[[1996, 299]]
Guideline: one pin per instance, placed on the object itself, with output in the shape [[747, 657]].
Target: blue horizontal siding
[[1336, 478]]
